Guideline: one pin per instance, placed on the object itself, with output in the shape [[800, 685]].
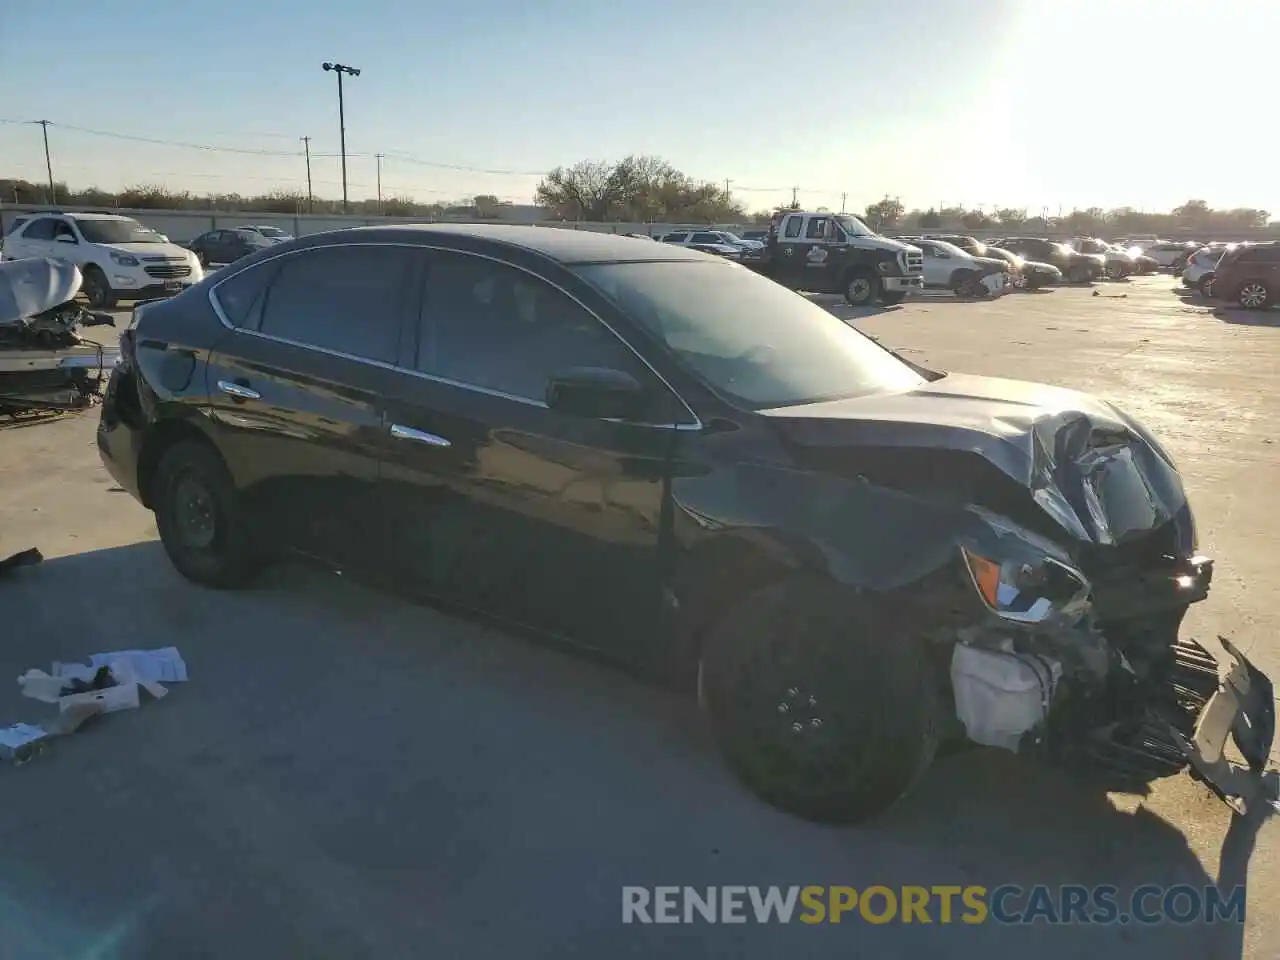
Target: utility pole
[[727, 181], [795, 202], [843, 198], [48, 164], [378, 157], [306, 145], [340, 69]]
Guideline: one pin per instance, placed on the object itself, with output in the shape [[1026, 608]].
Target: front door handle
[[401, 432], [238, 390]]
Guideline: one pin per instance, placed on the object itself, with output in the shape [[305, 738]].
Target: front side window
[[750, 339], [123, 230], [489, 325], [63, 229], [794, 224], [346, 299]]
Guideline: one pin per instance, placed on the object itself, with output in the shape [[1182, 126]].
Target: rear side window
[[15, 225], [344, 299], [1262, 254], [42, 229], [240, 297]]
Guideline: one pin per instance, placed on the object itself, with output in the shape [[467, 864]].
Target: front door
[[501, 504], [296, 390]]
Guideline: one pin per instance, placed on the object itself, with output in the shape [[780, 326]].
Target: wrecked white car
[[45, 364]]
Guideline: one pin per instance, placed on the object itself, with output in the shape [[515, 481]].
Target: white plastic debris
[[128, 671]]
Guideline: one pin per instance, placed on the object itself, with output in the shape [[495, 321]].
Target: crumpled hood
[[1097, 472], [32, 286]]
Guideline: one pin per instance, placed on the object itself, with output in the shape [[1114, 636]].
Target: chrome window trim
[[396, 368]]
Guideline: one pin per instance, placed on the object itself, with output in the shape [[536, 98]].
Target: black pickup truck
[[837, 253]]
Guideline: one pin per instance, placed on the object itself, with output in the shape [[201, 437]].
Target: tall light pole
[[306, 143], [48, 164], [340, 69]]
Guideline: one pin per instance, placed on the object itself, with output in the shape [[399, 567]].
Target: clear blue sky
[[993, 102]]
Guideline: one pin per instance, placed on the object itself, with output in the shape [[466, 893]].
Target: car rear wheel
[[1206, 285], [1254, 295], [820, 706], [1116, 271], [203, 525], [1079, 273], [859, 288], [97, 289]]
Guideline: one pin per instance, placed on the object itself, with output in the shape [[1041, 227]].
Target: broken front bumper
[[1243, 707]]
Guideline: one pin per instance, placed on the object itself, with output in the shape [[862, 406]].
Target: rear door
[[296, 390], [500, 504], [36, 240]]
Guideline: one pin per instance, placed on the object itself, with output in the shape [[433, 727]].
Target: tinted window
[[63, 229], [708, 238], [16, 224], [346, 299], [793, 226], [1264, 254], [815, 228], [675, 238], [41, 229], [748, 337], [240, 297], [489, 325]]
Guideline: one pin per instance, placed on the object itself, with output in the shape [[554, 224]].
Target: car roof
[[555, 243]]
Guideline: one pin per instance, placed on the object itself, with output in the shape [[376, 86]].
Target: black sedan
[[227, 246], [1075, 266], [1027, 274], [673, 460]]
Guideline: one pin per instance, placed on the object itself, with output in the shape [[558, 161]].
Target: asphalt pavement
[[350, 775]]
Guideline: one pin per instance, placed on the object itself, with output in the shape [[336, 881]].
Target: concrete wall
[[184, 225]]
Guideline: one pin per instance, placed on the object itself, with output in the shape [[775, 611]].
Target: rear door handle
[[401, 432], [238, 390]]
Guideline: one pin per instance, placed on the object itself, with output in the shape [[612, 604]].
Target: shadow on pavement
[[1252, 318], [349, 775]]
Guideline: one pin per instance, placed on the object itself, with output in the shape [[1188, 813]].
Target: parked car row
[[1247, 274]]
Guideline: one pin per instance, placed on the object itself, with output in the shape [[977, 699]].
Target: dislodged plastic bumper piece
[[1244, 708]]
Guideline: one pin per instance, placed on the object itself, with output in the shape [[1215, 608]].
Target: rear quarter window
[[240, 297]]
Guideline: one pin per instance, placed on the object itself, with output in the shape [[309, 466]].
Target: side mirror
[[65, 238], [599, 393]]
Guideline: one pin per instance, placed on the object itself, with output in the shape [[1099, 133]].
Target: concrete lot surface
[[350, 775]]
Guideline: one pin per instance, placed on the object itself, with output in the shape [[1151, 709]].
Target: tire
[[859, 288], [192, 484], [1079, 273], [1254, 295], [819, 709], [1116, 271], [203, 258], [891, 298], [1205, 286], [1022, 282], [97, 289]]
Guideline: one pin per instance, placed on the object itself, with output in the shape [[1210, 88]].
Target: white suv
[[118, 256]]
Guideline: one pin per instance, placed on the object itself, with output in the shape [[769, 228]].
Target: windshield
[[950, 248], [117, 231], [749, 338], [854, 227], [270, 231]]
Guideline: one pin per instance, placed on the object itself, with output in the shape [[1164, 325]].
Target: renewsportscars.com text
[[945, 904]]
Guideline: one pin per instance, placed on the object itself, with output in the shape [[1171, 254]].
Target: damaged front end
[[44, 362], [1070, 523], [1099, 678]]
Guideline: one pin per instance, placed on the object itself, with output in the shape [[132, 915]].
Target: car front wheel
[[821, 708], [203, 525], [859, 288], [97, 289]]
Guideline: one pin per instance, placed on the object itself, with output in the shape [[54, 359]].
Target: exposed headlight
[[1022, 577], [886, 266], [124, 259]]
